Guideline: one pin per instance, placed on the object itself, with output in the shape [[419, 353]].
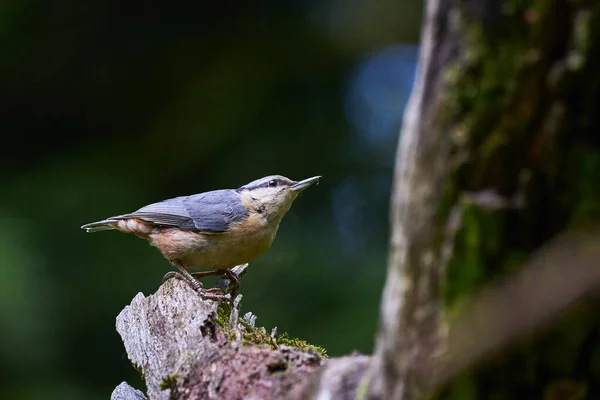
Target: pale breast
[[244, 242]]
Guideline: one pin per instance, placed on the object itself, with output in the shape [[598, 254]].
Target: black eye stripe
[[272, 183], [266, 184]]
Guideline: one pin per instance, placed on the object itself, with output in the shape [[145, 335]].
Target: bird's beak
[[300, 186]]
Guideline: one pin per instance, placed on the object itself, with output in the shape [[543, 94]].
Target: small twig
[[233, 317]]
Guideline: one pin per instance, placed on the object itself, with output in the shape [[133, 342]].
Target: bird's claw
[[169, 275]]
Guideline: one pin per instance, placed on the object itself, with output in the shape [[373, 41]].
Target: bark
[[188, 348], [126, 392], [410, 308], [498, 154]]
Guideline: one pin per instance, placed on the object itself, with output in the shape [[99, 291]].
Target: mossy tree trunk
[[499, 153]]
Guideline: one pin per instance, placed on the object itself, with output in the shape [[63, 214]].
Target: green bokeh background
[[108, 106]]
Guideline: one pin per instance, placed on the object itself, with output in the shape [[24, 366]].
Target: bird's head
[[275, 194]]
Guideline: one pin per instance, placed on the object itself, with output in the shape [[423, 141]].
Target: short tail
[[98, 226]]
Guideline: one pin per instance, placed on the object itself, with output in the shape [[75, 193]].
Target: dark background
[[109, 106]]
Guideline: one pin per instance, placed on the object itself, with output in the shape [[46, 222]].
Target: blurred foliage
[[108, 106]]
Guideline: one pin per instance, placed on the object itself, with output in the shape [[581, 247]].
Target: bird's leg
[[200, 275], [196, 275], [196, 285]]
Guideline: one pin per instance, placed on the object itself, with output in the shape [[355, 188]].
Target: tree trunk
[[498, 154]]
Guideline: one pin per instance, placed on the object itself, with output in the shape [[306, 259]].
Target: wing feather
[[210, 212]]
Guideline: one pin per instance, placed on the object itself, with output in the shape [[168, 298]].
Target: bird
[[212, 231]]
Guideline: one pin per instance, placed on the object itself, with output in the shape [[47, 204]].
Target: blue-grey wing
[[210, 212], [215, 211]]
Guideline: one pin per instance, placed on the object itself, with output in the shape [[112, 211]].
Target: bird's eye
[[272, 183]]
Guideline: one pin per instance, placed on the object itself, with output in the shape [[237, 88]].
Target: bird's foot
[[230, 281], [215, 294], [235, 280]]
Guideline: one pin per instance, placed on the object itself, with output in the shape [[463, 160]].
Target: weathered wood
[[164, 333], [126, 392], [189, 348]]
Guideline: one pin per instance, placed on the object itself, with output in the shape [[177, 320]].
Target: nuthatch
[[214, 230]]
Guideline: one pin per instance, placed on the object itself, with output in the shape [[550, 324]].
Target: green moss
[[471, 264], [169, 382], [259, 336], [493, 97], [285, 340], [494, 93], [223, 314], [246, 324], [488, 100], [222, 319]]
